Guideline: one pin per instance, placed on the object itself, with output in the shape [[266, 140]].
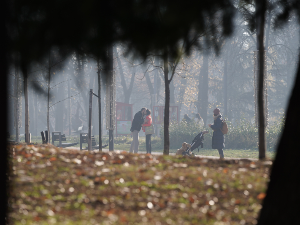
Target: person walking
[[199, 120], [218, 140], [186, 118], [148, 123], [136, 126]]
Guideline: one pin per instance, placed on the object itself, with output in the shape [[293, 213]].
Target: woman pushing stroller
[[218, 140]]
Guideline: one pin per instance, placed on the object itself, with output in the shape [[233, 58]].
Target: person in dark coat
[[186, 118], [218, 140], [136, 126]]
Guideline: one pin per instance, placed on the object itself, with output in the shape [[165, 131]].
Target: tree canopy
[[35, 27]]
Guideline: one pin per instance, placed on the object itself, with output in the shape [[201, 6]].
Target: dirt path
[[160, 153]]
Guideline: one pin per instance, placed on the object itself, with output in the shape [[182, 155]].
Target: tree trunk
[[92, 86], [90, 120], [99, 105], [127, 91], [123, 81], [160, 79], [27, 139], [81, 83], [17, 105], [261, 9], [32, 111], [157, 82], [167, 107], [281, 205], [151, 89], [35, 114], [268, 29], [96, 106], [69, 107], [204, 89], [5, 154], [110, 81], [172, 93], [225, 114], [48, 102]]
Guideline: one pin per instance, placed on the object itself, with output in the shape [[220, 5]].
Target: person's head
[[216, 111], [143, 110], [148, 112], [198, 116]]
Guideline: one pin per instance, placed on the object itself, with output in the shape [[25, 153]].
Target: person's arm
[[217, 124], [148, 123], [131, 130]]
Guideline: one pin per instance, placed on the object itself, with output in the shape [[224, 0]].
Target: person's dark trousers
[[148, 143], [221, 153]]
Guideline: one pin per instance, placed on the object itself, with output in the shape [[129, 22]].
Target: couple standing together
[[141, 120]]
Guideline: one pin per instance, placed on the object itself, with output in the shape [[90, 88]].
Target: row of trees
[[200, 83], [229, 83]]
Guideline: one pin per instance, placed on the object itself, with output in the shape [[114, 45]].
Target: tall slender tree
[[261, 6], [53, 61], [281, 204], [18, 104], [24, 69], [127, 89], [99, 104], [110, 81], [203, 89], [167, 105], [225, 87]]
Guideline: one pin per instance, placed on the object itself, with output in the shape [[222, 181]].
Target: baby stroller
[[196, 143]]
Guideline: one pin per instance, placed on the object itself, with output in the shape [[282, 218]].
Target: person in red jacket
[[148, 122]]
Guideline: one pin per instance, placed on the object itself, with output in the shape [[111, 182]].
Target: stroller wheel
[[187, 153], [184, 153]]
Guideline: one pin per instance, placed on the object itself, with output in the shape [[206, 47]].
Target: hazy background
[[75, 75]]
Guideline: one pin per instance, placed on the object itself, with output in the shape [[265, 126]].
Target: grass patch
[[123, 188], [229, 153], [123, 143]]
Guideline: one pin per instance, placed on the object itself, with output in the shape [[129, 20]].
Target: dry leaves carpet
[[50, 185]]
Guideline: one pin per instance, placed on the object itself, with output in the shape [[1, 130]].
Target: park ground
[[123, 144], [51, 185]]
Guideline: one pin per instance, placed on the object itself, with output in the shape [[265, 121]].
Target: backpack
[[224, 127]]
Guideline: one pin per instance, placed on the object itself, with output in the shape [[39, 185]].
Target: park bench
[[84, 140], [57, 136]]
